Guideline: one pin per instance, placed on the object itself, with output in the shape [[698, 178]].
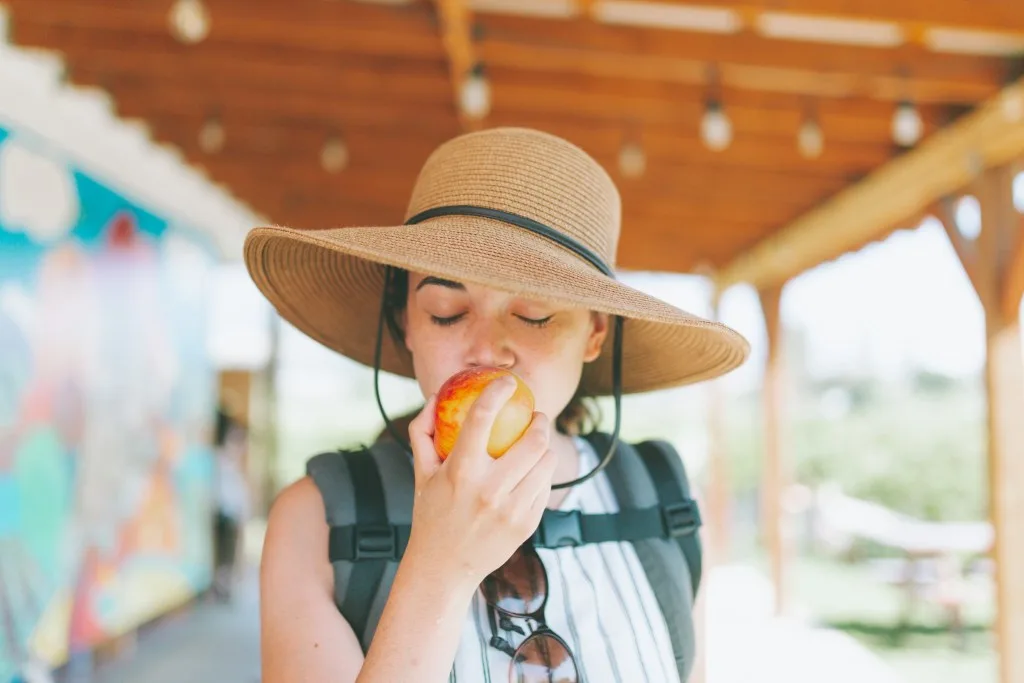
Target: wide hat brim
[[328, 284]]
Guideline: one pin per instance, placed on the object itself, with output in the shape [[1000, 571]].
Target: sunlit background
[[856, 543]]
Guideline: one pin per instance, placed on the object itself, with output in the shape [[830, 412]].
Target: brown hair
[[579, 416]]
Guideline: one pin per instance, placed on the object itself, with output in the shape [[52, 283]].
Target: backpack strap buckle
[[681, 518], [374, 542], [559, 529]]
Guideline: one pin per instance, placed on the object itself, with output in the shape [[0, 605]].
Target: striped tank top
[[599, 602]]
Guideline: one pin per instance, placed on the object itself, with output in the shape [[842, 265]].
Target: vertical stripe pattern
[[599, 602]]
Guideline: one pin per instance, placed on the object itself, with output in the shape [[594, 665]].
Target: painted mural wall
[[106, 399]]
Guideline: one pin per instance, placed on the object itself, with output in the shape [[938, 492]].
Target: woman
[[505, 259]]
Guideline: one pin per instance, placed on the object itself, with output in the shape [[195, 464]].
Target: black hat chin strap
[[616, 384]]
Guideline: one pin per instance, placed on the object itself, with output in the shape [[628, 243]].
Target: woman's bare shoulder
[[297, 531]]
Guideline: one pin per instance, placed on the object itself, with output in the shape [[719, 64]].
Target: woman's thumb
[[421, 439]]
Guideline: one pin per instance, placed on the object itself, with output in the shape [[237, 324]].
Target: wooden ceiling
[[282, 77]]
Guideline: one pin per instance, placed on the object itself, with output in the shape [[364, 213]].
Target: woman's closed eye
[[451, 320]]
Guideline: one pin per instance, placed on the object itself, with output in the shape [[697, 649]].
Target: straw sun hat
[[510, 208]]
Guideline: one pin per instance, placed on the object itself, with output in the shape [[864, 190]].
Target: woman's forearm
[[419, 629]]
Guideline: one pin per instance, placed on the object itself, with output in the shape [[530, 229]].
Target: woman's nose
[[489, 345]]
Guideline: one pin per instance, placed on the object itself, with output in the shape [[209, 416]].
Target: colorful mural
[[106, 399]]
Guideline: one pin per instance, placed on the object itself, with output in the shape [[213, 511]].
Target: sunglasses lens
[[543, 658], [519, 587]]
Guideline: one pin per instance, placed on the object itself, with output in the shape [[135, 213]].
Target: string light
[[334, 155], [190, 21], [632, 160], [475, 95], [907, 126], [715, 127], [212, 136], [810, 139]]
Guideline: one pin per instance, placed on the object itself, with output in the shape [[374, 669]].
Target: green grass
[[850, 599]]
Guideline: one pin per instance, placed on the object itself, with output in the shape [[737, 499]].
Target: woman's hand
[[472, 511]]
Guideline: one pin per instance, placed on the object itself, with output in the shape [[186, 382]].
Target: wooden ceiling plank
[[914, 15], [744, 48], [324, 26], [856, 120], [805, 80]]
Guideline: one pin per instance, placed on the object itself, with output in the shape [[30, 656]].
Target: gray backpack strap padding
[[673, 486], [662, 558], [361, 588], [329, 472]]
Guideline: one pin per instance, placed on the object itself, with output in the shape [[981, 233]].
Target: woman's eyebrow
[[441, 282]]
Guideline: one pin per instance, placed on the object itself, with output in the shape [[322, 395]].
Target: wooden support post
[[719, 487], [716, 513], [994, 260], [776, 476]]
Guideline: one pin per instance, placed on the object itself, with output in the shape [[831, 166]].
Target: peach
[[457, 395]]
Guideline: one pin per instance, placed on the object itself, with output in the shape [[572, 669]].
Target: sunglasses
[[519, 589]]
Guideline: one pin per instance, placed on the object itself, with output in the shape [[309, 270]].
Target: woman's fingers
[[537, 482], [524, 454], [421, 439]]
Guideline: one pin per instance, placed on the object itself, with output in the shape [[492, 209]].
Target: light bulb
[[810, 139], [632, 160], [1013, 105], [190, 21], [212, 136], [715, 127], [906, 125], [334, 155], [476, 96]]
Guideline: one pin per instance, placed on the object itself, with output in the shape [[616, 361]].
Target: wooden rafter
[[896, 192], [965, 249]]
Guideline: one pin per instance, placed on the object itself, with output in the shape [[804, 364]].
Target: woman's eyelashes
[[445, 322], [451, 320]]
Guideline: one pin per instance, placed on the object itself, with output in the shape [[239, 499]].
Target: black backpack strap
[[372, 534], [560, 528], [673, 490]]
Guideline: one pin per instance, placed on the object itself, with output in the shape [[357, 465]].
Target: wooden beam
[[776, 475], [899, 191], [455, 21]]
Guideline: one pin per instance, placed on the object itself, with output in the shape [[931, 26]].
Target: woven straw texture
[[328, 283]]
